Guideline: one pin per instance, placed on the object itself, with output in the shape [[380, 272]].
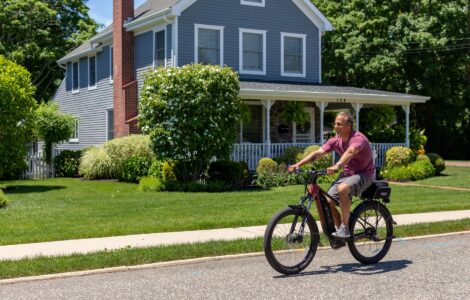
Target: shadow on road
[[357, 268]]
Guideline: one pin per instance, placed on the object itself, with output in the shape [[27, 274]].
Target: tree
[[419, 47], [35, 34], [53, 127], [190, 114], [17, 107]]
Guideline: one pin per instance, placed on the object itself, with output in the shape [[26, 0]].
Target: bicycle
[[292, 236]]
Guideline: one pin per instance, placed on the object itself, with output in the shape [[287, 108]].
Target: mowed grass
[[452, 176], [139, 256], [65, 208]]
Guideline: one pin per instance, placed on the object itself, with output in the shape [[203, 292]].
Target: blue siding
[[278, 16], [89, 106]]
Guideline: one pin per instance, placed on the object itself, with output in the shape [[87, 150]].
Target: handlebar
[[312, 172]]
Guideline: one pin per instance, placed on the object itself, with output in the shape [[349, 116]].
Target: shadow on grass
[[358, 268], [25, 189]]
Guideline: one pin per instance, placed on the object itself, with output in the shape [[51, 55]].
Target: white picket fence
[[37, 168]]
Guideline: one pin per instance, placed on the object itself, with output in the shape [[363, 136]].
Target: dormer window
[[253, 2]]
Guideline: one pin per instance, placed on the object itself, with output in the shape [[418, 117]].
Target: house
[[274, 45]]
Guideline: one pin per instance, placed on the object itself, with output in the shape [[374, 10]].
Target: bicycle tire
[[371, 227], [280, 243]]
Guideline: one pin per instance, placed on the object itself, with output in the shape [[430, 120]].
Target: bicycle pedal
[[337, 244]]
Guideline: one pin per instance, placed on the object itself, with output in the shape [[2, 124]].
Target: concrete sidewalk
[[68, 247]]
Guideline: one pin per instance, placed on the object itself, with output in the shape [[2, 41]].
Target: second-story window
[[159, 58], [75, 78], [92, 72], [293, 57], [252, 51], [209, 41], [253, 2]]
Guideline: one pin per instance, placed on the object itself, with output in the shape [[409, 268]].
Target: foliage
[[3, 199], [35, 34], [134, 168], [294, 111], [190, 114], [168, 171], [290, 154], [151, 184], [17, 107], [229, 172], [321, 163], [66, 164], [398, 156], [422, 157], [266, 164], [112, 155], [376, 118], [414, 171], [156, 169], [437, 161], [97, 164], [417, 47], [417, 139], [53, 127]]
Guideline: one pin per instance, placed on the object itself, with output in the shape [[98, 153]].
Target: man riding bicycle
[[358, 168]]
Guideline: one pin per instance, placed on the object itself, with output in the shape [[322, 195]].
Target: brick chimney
[[125, 85]]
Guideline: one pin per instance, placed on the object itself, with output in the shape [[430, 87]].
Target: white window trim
[[111, 73], [78, 77], [240, 51], [77, 131], [107, 123], [304, 54], [92, 87], [196, 40], [247, 2], [158, 29]]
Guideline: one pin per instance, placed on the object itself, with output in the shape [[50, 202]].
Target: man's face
[[342, 128]]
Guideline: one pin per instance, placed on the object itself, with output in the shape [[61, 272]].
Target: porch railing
[[252, 153]]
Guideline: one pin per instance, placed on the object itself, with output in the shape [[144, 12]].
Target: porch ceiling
[[251, 90]]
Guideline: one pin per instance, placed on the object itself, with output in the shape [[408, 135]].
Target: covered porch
[[268, 134]]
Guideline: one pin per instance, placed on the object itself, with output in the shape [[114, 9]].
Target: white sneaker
[[342, 232]]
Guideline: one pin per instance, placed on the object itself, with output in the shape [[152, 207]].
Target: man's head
[[343, 123]]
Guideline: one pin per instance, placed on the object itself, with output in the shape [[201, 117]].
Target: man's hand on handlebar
[[292, 168], [333, 169]]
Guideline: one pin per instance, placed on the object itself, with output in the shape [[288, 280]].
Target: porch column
[[357, 108], [406, 108], [321, 106], [311, 113], [267, 105]]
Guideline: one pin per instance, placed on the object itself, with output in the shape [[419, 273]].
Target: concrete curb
[[179, 262]]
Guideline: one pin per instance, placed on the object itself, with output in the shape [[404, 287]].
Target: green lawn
[[451, 176], [60, 209]]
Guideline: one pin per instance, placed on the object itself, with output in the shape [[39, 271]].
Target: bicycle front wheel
[[372, 229], [289, 248]]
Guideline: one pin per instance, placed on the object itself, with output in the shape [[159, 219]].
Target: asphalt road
[[431, 268]]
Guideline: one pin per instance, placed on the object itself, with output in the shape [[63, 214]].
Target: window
[[109, 124], [75, 78], [111, 62], [160, 49], [293, 62], [92, 72], [74, 137], [252, 52], [209, 44], [253, 2]]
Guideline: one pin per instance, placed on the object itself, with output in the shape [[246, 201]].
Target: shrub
[[112, 156], [289, 157], [67, 163], [322, 163], [415, 171], [398, 156], [17, 117], [437, 161], [168, 171], [268, 179], [97, 164], [422, 157], [152, 184], [267, 164], [230, 172], [156, 169], [135, 167], [3, 199], [190, 114]]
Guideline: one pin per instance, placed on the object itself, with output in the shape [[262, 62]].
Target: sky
[[102, 10]]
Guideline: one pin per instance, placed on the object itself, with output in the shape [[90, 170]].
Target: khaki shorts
[[357, 184]]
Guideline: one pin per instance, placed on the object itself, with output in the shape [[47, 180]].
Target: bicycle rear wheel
[[371, 227], [288, 250]]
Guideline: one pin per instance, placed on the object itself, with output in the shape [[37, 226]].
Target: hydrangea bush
[[190, 114]]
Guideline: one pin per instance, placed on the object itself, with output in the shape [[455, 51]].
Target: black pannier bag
[[377, 190]]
